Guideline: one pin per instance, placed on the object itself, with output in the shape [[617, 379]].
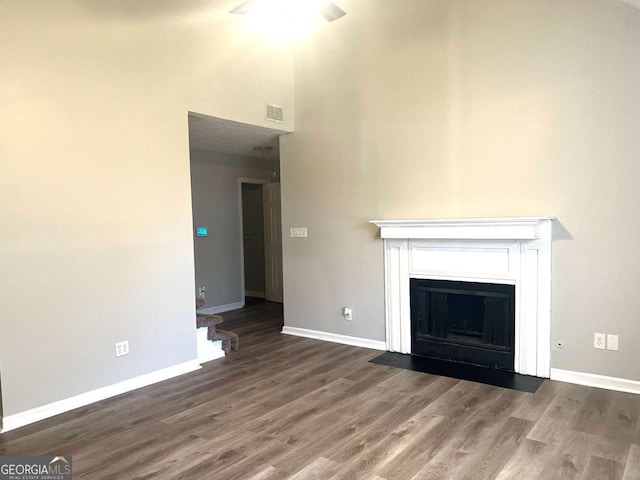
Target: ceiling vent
[[275, 113]]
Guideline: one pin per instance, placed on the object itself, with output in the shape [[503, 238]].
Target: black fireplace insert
[[465, 322]]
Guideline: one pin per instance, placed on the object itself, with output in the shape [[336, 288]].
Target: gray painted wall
[[215, 199], [476, 108], [96, 244]]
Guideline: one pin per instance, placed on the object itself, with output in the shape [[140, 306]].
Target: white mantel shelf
[[515, 251], [509, 228]]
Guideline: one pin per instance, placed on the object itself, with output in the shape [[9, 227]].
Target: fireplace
[[467, 322], [511, 254]]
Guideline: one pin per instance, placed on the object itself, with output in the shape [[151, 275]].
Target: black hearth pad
[[474, 373]]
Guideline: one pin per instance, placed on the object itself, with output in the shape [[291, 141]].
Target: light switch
[[298, 232]]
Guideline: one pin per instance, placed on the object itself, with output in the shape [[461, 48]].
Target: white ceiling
[[212, 134]]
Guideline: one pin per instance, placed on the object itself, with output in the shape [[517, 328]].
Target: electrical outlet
[[599, 341], [347, 313], [202, 292], [612, 342], [122, 348]]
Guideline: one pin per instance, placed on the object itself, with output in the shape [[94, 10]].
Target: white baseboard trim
[[254, 294], [17, 420], [598, 381], [222, 308], [335, 338]]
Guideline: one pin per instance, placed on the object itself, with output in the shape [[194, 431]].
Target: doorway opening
[[261, 234], [224, 156], [237, 247], [253, 259]]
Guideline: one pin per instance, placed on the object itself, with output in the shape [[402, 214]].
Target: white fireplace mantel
[[516, 228], [515, 251]]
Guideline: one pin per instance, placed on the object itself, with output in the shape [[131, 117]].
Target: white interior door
[[273, 242]]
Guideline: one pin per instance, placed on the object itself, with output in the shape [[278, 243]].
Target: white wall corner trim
[[222, 308], [335, 338], [594, 380], [27, 417]]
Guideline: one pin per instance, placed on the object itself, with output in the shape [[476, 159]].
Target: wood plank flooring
[[284, 407]]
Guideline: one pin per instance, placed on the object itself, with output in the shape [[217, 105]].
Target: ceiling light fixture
[[329, 10], [264, 150]]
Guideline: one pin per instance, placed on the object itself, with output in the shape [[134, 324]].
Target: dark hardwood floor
[[284, 407]]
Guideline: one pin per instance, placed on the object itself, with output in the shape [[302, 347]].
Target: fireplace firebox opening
[[463, 321]]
